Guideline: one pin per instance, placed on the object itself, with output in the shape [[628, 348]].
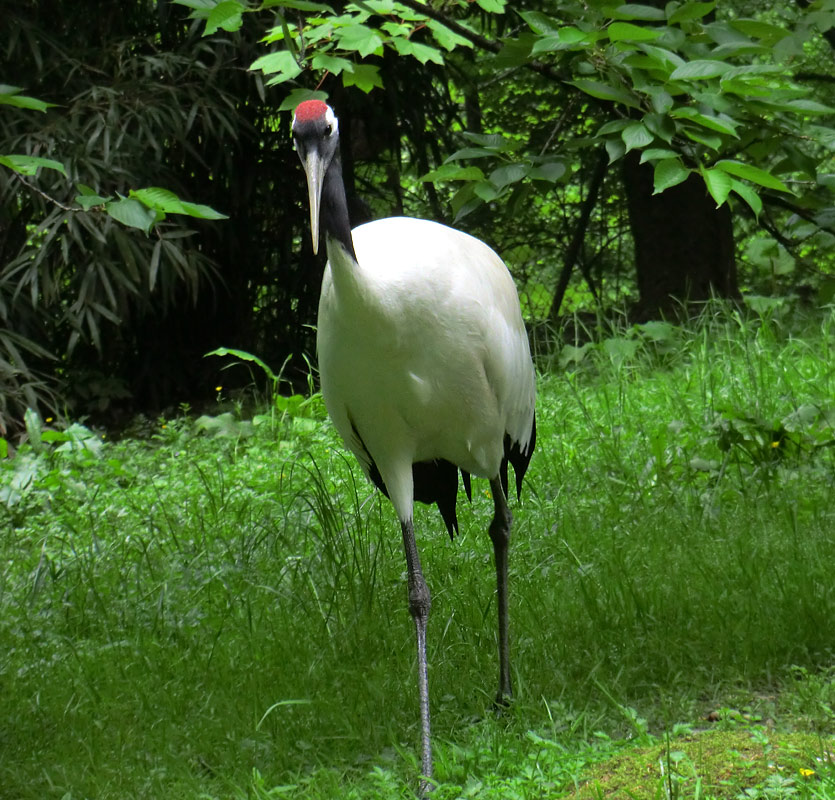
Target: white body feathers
[[423, 352]]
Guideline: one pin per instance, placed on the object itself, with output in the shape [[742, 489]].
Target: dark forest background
[[549, 129]]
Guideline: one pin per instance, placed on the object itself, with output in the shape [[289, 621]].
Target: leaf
[[539, 22], [492, 6], [718, 183], [636, 136], [767, 33], [364, 76], [700, 69], [454, 172], [12, 98], [228, 14], [200, 211], [669, 172], [332, 64], [29, 165], [627, 32], [282, 62], [129, 211], [551, 171], [446, 38], [510, 173], [359, 38], [753, 174], [722, 124], [690, 11], [713, 142], [657, 153], [422, 52], [636, 11], [88, 201], [604, 91], [615, 148], [748, 195]]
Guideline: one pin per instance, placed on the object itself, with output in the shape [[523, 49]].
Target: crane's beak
[[314, 168]]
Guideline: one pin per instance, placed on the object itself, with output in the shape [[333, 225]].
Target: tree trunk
[[684, 245]]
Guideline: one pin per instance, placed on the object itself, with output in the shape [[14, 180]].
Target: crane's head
[[316, 136]]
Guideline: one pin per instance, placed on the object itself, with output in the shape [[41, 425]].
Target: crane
[[425, 369]]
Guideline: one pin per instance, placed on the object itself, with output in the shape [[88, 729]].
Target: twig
[[43, 194]]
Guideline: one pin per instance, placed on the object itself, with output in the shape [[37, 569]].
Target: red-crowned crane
[[425, 368]]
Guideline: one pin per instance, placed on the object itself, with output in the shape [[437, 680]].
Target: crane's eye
[[328, 129]]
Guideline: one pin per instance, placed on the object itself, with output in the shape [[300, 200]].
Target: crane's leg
[[419, 604], [500, 534]]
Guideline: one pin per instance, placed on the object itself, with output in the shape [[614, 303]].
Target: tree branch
[[572, 254], [43, 194]]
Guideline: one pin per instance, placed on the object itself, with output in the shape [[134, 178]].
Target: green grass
[[219, 609]]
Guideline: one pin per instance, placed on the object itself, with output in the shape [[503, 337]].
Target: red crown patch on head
[[310, 110]]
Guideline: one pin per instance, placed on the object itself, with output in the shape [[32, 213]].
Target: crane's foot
[[502, 702]]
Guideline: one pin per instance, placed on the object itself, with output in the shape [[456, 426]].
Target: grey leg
[[500, 534], [419, 605]]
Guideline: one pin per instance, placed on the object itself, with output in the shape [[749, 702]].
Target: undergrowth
[[218, 609]]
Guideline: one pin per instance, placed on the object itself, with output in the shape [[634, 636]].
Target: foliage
[[197, 612]]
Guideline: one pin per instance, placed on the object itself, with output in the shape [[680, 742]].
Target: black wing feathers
[[437, 481]]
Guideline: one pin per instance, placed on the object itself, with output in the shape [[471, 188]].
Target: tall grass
[[220, 610]]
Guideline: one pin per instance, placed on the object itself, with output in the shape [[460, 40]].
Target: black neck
[[334, 208]]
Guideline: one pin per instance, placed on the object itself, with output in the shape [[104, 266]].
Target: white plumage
[[425, 369], [428, 358]]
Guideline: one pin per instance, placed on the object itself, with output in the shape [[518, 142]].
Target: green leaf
[[604, 91], [88, 201], [11, 97], [359, 38], [767, 33], [669, 172], [636, 11], [282, 62], [657, 153], [540, 23], [690, 11], [627, 32], [446, 38], [748, 195], [454, 172], [551, 171], [613, 126], [164, 200], [228, 14], [718, 183], [364, 76], [753, 174], [492, 6], [332, 64], [200, 211], [722, 124], [700, 69], [158, 199], [29, 165], [713, 142], [129, 211], [422, 52], [509, 173], [660, 125], [636, 136], [615, 148]]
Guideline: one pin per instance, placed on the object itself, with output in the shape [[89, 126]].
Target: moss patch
[[718, 764]]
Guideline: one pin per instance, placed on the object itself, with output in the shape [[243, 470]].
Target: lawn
[[215, 606]]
